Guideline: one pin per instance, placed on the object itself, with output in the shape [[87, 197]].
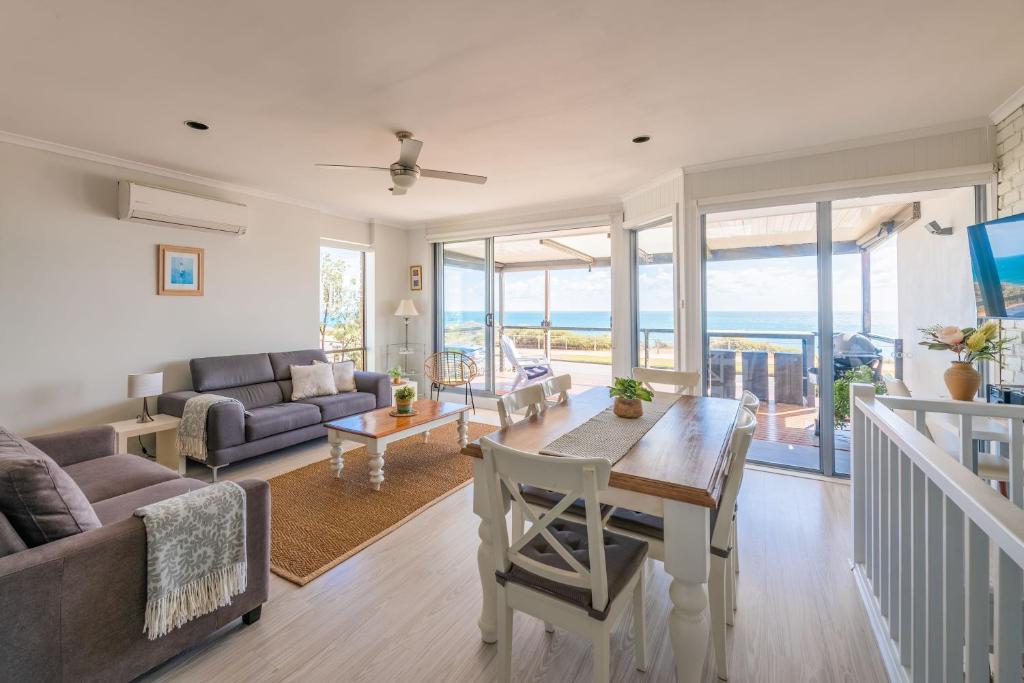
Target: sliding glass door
[[654, 296], [466, 318]]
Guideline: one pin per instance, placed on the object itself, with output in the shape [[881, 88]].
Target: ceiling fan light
[[403, 179]]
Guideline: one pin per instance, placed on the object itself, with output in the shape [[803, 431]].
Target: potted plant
[[403, 400], [396, 375], [970, 346], [859, 375], [628, 395]]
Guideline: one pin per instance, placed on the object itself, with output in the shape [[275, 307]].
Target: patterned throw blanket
[[195, 546], [191, 436]]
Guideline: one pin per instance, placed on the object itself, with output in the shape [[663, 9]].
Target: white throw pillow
[[309, 381], [344, 374]]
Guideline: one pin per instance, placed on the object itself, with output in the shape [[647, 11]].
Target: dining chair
[[560, 385], [722, 577], [527, 367], [530, 398], [750, 401], [681, 382], [577, 576]]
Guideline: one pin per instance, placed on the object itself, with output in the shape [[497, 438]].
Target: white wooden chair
[[750, 401], [681, 382], [530, 398], [528, 368], [558, 385], [577, 576], [722, 578]]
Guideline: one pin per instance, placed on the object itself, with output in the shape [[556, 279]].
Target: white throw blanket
[[195, 547], [191, 436]]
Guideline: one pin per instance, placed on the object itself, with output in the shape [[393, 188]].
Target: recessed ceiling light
[[197, 125], [641, 138]]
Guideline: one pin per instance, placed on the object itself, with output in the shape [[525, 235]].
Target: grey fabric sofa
[[270, 419], [73, 609]]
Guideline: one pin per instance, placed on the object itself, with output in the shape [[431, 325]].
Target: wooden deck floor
[[405, 609]]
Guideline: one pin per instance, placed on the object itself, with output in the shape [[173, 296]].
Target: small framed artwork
[[179, 271], [415, 278]]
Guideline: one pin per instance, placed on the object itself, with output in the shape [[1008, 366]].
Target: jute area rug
[[318, 521]]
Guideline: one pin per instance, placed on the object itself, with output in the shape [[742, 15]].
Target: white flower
[[951, 335]]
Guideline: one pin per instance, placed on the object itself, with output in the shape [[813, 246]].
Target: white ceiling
[[542, 97]]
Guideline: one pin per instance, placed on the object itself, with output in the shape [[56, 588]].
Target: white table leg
[[167, 451], [376, 449], [485, 557], [463, 429], [426, 436], [687, 546], [337, 455]]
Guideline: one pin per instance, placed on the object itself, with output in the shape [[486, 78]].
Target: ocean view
[[884, 323]]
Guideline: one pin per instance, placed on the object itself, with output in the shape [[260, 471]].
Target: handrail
[[1000, 519], [947, 405]]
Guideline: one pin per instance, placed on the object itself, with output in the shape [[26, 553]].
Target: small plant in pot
[[970, 345], [629, 395], [403, 400], [396, 375]]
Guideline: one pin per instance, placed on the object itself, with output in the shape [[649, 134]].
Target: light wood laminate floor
[[405, 609]]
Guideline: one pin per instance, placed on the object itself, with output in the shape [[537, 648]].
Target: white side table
[[165, 428], [405, 383]]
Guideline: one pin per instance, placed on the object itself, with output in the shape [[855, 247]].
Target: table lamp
[[406, 310], [142, 385]]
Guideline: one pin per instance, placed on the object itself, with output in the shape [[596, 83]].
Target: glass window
[[655, 298], [342, 304]]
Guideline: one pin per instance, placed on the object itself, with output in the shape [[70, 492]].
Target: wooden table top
[[683, 457], [378, 423]]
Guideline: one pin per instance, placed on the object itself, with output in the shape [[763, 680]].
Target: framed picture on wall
[[415, 278], [179, 271]]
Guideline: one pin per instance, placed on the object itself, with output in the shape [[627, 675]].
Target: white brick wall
[[1010, 157], [1010, 194]]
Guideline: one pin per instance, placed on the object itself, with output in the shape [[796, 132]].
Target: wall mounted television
[[997, 261]]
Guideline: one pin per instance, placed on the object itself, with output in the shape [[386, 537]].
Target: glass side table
[[409, 358]]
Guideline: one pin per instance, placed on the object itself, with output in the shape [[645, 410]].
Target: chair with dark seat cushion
[[282, 417], [113, 475], [577, 576]]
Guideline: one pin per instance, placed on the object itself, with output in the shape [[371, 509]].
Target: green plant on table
[[860, 375], [406, 393], [629, 389], [395, 372]]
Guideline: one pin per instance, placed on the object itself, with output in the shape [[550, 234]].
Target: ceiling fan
[[404, 172]]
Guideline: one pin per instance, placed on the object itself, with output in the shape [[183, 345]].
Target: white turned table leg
[[687, 544], [337, 455], [426, 436], [376, 449], [488, 622], [463, 429]]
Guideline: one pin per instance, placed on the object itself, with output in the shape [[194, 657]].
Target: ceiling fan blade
[[372, 168], [397, 190], [448, 175], [410, 152]]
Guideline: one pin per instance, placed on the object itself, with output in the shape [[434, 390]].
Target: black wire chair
[[451, 369]]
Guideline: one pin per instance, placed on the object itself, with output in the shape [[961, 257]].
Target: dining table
[[675, 471]]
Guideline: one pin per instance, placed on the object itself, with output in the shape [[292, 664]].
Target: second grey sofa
[[268, 419]]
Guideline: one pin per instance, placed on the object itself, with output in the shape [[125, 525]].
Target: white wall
[[935, 285], [78, 299]]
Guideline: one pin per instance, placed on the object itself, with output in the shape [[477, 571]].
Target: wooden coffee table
[[377, 428]]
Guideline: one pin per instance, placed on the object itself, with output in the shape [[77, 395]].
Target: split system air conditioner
[[167, 207]]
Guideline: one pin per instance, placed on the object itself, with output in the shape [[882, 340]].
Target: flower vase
[[962, 380]]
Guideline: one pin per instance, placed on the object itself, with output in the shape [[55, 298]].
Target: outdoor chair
[[527, 368], [576, 576]]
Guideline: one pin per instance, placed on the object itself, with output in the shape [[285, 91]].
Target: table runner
[[608, 436]]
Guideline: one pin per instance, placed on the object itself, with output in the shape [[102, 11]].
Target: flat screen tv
[[997, 260]]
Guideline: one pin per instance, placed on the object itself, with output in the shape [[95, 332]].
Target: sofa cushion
[[281, 361], [219, 372], [10, 541], [341, 405], [283, 417], [312, 380], [254, 395], [40, 500], [122, 507], [344, 374], [113, 475]]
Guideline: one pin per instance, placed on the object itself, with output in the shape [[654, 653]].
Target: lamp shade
[[406, 309], [143, 384]]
